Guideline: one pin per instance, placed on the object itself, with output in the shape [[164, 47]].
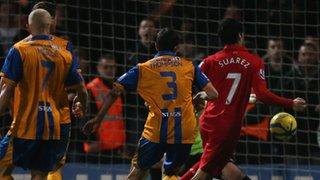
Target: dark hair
[[46, 5], [274, 39], [310, 46], [107, 57], [167, 39], [229, 30]]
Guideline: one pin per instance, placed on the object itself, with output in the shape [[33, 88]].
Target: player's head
[[232, 12], [39, 22], [167, 39], [51, 8], [230, 31], [107, 67]]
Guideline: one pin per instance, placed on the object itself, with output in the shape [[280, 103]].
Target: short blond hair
[[40, 20]]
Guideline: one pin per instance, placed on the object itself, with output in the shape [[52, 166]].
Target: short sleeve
[[73, 76], [13, 68], [200, 79], [204, 66], [74, 57], [129, 80]]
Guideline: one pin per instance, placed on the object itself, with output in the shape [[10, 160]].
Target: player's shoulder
[[23, 42], [146, 63], [61, 41], [167, 61], [253, 58], [210, 59], [215, 56]]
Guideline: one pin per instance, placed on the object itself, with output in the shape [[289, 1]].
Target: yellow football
[[283, 126]]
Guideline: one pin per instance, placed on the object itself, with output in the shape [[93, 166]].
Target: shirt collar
[[235, 46], [41, 37], [165, 53]]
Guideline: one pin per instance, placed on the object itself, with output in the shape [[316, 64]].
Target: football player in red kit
[[234, 72]]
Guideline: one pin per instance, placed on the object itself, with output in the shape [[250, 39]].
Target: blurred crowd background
[[112, 36]]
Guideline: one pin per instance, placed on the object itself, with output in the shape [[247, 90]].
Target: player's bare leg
[[38, 175], [156, 170], [5, 172], [55, 175], [6, 177], [232, 172], [6, 166], [201, 175], [137, 173]]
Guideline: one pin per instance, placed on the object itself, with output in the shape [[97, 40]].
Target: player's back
[[231, 72], [45, 66], [165, 83]]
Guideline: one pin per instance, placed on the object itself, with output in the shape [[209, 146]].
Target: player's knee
[[233, 175], [231, 172], [236, 176]]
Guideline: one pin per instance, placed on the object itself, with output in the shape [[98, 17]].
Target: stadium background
[[110, 28]]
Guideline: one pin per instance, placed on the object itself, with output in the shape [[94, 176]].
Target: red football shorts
[[219, 137]]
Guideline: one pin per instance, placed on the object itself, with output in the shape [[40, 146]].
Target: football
[[283, 126]]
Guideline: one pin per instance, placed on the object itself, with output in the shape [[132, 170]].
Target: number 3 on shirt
[[236, 79], [171, 84]]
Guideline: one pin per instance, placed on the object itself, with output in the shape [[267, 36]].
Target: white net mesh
[[285, 33]]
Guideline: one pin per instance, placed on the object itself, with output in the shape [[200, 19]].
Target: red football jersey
[[234, 71]]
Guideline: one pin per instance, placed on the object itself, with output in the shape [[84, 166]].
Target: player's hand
[[77, 110], [199, 102], [253, 98], [91, 126], [299, 104], [146, 104]]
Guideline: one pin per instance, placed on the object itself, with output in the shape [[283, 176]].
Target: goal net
[[111, 36]]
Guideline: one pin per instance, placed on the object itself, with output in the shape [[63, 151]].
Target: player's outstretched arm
[[127, 81], [94, 123], [6, 94], [266, 96]]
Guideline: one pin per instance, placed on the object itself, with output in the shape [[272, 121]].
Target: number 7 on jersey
[[236, 79]]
